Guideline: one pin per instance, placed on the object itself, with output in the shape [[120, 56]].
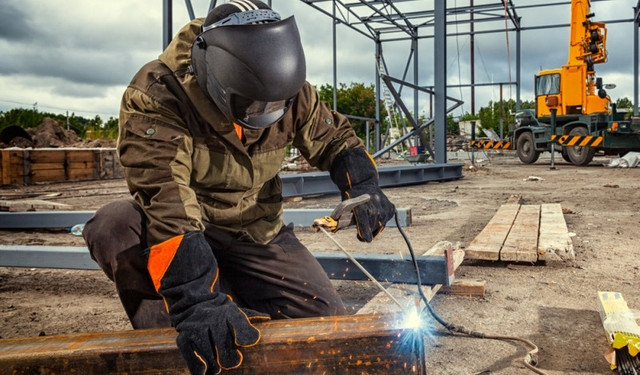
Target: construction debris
[[629, 160]]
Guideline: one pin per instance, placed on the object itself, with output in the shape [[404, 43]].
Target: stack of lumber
[[28, 166], [524, 233]]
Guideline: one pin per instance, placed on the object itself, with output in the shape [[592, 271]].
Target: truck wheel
[[580, 155], [525, 149], [564, 154]]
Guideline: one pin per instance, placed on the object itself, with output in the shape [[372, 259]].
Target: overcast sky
[[78, 56]]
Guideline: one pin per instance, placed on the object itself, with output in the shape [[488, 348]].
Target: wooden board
[[47, 156], [46, 166], [555, 243], [5, 165], [521, 244], [488, 243], [352, 344], [536, 233], [466, 287], [31, 205], [75, 156]]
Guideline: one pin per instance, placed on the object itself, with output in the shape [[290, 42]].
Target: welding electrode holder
[[335, 221]]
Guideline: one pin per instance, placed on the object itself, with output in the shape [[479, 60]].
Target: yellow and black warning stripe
[[491, 145], [577, 140]]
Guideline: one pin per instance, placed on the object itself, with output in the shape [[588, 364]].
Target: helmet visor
[[258, 114]]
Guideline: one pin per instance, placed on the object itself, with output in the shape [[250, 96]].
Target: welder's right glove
[[211, 327], [355, 174]]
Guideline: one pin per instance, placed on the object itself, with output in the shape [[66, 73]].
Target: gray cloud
[[13, 22], [83, 54]]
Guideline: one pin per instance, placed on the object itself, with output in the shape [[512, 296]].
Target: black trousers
[[281, 278]]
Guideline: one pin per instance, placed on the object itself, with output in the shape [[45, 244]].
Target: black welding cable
[[530, 360]]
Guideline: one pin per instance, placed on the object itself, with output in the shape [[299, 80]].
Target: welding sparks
[[411, 319]]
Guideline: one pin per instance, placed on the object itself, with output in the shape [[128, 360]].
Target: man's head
[[249, 62]]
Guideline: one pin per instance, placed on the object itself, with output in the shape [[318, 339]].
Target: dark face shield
[[252, 72]]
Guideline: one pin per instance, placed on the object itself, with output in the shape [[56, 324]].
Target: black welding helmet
[[249, 62]]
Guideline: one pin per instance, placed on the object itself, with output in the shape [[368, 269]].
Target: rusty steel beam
[[351, 344]]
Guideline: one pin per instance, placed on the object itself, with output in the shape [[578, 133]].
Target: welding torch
[[340, 219]]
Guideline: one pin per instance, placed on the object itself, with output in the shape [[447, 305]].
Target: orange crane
[[585, 120]]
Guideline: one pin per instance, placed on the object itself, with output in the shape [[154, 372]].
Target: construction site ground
[[554, 305]]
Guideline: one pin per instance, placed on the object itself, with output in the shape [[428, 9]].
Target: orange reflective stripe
[[586, 141], [597, 141], [573, 140], [239, 131], [160, 258]]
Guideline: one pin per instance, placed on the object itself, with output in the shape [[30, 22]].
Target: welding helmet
[[249, 62]]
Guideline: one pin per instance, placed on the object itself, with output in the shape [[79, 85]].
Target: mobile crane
[[586, 121]]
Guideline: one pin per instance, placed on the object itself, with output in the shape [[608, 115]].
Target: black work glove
[[355, 174], [211, 327]]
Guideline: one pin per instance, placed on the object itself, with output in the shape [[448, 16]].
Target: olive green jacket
[[186, 166]]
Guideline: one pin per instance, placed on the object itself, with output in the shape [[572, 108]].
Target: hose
[[530, 360]]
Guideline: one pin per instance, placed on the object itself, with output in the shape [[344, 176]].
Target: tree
[[624, 104], [357, 99]]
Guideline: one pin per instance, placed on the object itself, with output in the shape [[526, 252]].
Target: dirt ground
[[553, 305]]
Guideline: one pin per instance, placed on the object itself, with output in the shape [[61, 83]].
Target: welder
[[204, 130]]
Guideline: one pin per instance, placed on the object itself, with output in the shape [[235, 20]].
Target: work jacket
[[185, 164]]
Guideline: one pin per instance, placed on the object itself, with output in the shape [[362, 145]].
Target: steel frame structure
[[384, 21]]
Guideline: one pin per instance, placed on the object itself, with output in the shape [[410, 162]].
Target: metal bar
[[167, 17], [391, 268], [387, 268], [440, 81], [43, 219], [635, 62], [313, 183], [67, 257], [300, 217], [348, 344]]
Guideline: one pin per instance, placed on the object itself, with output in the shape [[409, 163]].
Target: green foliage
[[357, 99], [624, 104], [489, 116], [84, 128]]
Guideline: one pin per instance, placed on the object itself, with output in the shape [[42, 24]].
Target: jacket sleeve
[[321, 133], [155, 151]]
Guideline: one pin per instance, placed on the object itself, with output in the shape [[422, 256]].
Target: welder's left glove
[[355, 174]]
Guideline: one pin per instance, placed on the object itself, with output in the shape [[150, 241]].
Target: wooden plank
[[48, 175], [32, 205], [362, 344], [47, 166], [79, 155], [407, 294], [81, 174], [48, 156], [81, 165], [521, 244], [487, 244], [466, 287], [5, 164], [555, 243]]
